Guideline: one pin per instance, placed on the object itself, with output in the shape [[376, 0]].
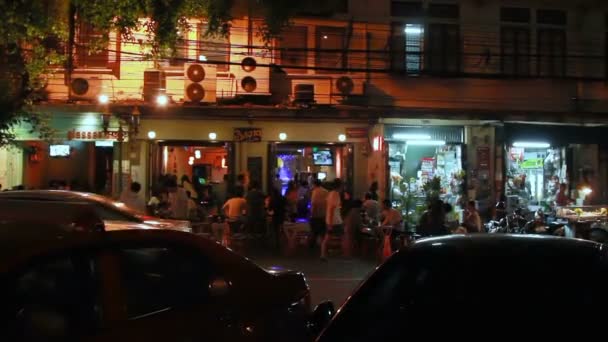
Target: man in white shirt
[[333, 218], [132, 199]]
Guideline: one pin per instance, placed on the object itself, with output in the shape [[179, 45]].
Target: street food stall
[[580, 219]]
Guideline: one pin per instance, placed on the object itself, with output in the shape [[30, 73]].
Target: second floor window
[[330, 49], [551, 51], [515, 51], [213, 48], [292, 49], [414, 39], [88, 55], [442, 48]]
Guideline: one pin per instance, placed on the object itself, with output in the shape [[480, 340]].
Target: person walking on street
[[333, 218], [132, 199], [318, 204]]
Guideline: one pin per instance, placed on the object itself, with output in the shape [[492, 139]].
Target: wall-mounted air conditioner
[[200, 82]]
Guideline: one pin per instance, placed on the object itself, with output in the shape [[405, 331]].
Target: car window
[[163, 278], [112, 214], [55, 298], [451, 290]]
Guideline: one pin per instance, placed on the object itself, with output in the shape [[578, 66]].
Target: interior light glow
[[531, 144], [197, 154], [425, 142], [413, 29], [586, 191], [202, 58], [151, 135], [408, 136]]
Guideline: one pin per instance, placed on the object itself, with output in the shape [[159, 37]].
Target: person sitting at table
[[372, 209], [234, 210], [391, 216], [561, 198]]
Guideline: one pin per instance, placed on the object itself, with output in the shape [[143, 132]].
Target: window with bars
[[551, 51], [515, 51], [414, 42], [293, 49], [213, 48], [442, 48], [330, 49]]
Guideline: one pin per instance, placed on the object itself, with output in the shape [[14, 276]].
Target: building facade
[[360, 83]]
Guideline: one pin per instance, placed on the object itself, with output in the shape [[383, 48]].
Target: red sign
[[356, 132], [93, 135]]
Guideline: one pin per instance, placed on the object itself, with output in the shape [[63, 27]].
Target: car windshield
[[119, 206], [443, 288]]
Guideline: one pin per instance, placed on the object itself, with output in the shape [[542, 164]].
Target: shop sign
[[483, 158], [356, 132], [248, 134], [92, 135]]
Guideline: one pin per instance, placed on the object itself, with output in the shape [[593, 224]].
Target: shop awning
[[555, 135]]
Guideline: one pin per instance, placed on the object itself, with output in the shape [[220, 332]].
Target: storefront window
[[533, 175]]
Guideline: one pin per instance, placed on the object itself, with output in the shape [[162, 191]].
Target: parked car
[[112, 212], [148, 285], [472, 285]]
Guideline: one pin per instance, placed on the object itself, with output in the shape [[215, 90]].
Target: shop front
[[424, 160], [305, 162], [539, 158], [80, 155]]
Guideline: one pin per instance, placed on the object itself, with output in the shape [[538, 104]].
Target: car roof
[[50, 194], [523, 247], [17, 248]]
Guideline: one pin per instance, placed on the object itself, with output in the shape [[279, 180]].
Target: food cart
[[582, 218]]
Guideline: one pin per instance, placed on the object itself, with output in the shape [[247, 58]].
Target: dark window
[[293, 46], [180, 51], [330, 49], [342, 6], [551, 17], [406, 9], [55, 298], [442, 48], [157, 279], [551, 52], [515, 51], [215, 48], [515, 14], [88, 51], [449, 11]]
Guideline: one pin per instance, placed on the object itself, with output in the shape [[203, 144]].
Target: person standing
[[177, 199], [391, 216], [472, 221], [187, 185], [561, 199], [318, 205], [132, 199], [333, 218], [276, 209], [256, 213], [234, 209]]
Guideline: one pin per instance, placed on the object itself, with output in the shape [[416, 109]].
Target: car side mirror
[[219, 287], [321, 317]]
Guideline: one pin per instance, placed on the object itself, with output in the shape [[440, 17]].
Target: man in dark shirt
[[256, 213]]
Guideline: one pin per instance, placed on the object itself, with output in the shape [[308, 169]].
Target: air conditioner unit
[[302, 87], [90, 86], [200, 82], [346, 85], [155, 83], [252, 74]]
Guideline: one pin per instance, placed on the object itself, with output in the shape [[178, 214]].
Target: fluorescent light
[[406, 136], [413, 29], [425, 142], [104, 143], [531, 144]]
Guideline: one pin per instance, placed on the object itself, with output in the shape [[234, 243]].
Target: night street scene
[[313, 170]]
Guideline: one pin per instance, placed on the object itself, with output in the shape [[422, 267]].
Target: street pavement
[[332, 280]]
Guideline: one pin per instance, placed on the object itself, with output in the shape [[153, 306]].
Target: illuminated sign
[[93, 135], [248, 134]]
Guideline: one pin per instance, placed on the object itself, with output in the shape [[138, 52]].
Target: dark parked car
[[471, 285], [142, 285]]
